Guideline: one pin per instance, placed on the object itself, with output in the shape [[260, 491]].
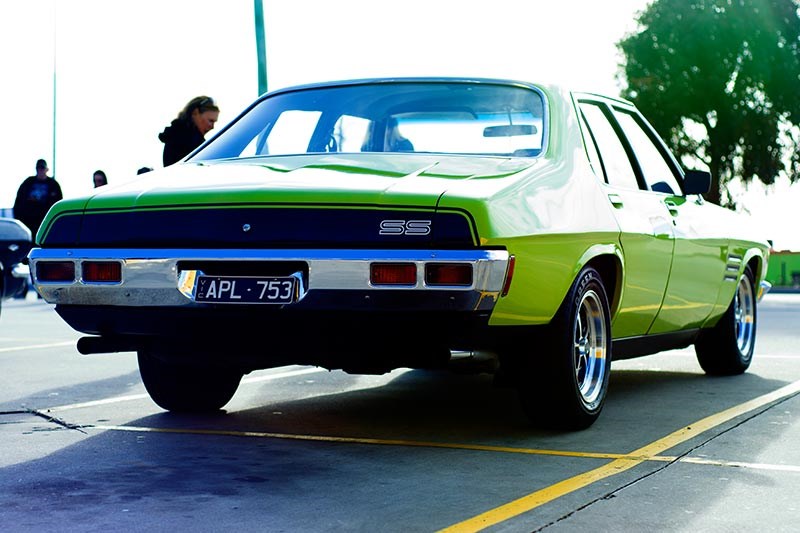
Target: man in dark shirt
[[35, 197]]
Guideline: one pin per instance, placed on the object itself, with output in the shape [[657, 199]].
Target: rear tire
[[727, 348], [187, 388], [563, 382]]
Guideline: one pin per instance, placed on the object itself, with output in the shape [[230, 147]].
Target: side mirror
[[696, 182]]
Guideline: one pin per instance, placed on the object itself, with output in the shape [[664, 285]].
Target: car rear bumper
[[330, 279]]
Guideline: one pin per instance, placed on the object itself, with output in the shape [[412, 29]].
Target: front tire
[[186, 388], [564, 385], [727, 348]]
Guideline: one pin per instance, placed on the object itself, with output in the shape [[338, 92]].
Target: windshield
[[439, 117]]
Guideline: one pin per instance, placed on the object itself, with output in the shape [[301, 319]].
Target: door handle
[[615, 199], [672, 206]]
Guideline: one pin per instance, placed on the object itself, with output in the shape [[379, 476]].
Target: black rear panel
[[264, 227]]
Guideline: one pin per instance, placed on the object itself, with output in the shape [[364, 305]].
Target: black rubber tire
[[727, 348], [563, 382], [186, 388]]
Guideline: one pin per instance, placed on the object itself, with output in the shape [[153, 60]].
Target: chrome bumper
[[151, 277]]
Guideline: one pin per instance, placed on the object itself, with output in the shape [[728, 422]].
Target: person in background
[[35, 196], [394, 140], [99, 178], [188, 130]]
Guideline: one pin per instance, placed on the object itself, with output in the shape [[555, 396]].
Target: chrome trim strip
[[150, 277]]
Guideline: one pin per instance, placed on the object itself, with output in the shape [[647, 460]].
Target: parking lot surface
[[305, 449]]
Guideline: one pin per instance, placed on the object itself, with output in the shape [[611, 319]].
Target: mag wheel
[[186, 388], [565, 384], [727, 348]]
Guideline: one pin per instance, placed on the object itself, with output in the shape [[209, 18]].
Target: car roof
[[547, 87], [405, 79]]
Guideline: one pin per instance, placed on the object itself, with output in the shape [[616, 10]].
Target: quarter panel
[[546, 266]]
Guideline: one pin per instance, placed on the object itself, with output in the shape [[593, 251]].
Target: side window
[[656, 170], [619, 171], [591, 149]]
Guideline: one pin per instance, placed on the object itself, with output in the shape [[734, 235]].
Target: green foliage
[[720, 81]]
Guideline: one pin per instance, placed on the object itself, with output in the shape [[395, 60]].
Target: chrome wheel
[[744, 312], [564, 384], [589, 348], [726, 349]]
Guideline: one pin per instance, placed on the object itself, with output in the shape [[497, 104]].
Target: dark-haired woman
[[188, 130], [99, 178]]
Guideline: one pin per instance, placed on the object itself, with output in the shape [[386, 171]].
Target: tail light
[[101, 271], [512, 261], [393, 274], [55, 271], [448, 274]]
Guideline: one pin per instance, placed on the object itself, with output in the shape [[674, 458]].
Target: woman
[[187, 131], [99, 178]]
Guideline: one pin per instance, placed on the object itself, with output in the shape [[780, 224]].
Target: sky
[[116, 73]]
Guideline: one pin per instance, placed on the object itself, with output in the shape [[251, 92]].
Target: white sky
[[123, 70]]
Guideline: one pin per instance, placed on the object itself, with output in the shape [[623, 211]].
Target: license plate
[[245, 289]]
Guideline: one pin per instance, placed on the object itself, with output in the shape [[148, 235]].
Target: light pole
[[261, 45], [55, 38]]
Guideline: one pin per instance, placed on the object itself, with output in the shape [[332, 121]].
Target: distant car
[[369, 225], [15, 243]]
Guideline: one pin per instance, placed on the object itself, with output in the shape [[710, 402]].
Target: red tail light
[[393, 274], [448, 274], [63, 271], [102, 271], [512, 261]]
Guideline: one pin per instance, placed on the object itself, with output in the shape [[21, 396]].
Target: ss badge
[[405, 227]]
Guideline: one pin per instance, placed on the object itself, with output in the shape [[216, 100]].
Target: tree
[[720, 81]]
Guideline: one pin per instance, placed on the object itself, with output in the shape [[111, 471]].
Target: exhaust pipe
[[92, 345]]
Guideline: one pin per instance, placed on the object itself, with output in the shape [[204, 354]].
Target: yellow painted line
[[37, 346], [548, 494], [530, 451], [354, 440], [367, 440]]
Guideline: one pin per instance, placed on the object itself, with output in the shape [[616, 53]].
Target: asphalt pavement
[[305, 449]]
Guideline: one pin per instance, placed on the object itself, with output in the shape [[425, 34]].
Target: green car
[[369, 225]]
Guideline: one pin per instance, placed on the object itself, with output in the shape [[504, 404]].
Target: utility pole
[[55, 47], [261, 45]]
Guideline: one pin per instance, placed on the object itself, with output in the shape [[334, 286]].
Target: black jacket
[[34, 198], [179, 138]]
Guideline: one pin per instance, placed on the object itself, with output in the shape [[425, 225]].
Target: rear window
[[431, 117]]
